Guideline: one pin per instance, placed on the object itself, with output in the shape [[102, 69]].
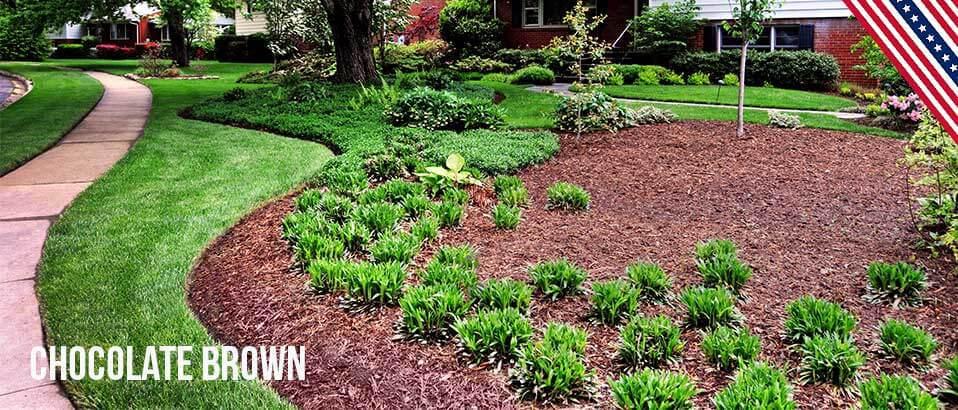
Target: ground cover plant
[[552, 369], [707, 308], [896, 392], [502, 294], [614, 301], [651, 281], [505, 216], [649, 342], [757, 386], [653, 389], [567, 196], [899, 284], [906, 343], [949, 390], [830, 359], [557, 278], [729, 348], [754, 96], [493, 336], [809, 317], [428, 312]]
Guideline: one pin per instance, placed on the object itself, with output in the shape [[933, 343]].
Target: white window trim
[[164, 33], [772, 45], [541, 10], [114, 31]]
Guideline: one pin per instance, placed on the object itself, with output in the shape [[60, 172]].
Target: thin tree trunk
[[740, 131], [351, 24], [178, 47]]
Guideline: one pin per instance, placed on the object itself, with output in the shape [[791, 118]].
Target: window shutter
[[516, 13], [710, 42], [806, 37]]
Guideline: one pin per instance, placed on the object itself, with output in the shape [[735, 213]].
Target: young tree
[[746, 24]]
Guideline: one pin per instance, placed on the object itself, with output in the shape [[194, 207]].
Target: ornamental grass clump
[[493, 336], [905, 343], [897, 284], [649, 342], [653, 390], [438, 273], [566, 196], [296, 223], [428, 312], [830, 359], [312, 245], [380, 218], [729, 348], [328, 275], [395, 247], [416, 205], [650, 280], [373, 285], [355, 236], [308, 200], [809, 316], [552, 370], [557, 278], [757, 386], [502, 294], [725, 271], [346, 182], [714, 248], [506, 217], [708, 308], [895, 392], [614, 301]]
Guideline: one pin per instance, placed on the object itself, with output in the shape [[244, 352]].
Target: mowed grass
[[524, 108], [728, 95], [116, 265], [58, 101]]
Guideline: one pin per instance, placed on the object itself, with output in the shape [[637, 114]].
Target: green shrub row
[[806, 70]]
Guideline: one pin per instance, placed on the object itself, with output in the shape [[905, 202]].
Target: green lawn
[[754, 96], [524, 109], [59, 100], [115, 265]]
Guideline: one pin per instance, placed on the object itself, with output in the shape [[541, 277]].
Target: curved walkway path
[[31, 198], [12, 88], [563, 89]]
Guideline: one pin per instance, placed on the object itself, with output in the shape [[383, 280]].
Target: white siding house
[[790, 9], [249, 21]]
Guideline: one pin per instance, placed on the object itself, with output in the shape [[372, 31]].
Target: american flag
[[921, 38]]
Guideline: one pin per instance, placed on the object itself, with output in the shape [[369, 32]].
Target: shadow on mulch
[[809, 210]]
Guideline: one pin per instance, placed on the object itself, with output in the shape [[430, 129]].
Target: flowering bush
[[114, 52], [906, 109]]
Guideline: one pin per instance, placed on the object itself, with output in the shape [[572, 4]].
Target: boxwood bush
[[806, 70], [533, 74]]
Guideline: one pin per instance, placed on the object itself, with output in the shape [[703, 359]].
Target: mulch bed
[[809, 210]]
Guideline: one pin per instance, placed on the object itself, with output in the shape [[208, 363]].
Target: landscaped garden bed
[[803, 219]]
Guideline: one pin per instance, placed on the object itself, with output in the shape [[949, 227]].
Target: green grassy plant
[[552, 370], [614, 301], [654, 389], [493, 335], [426, 228], [380, 218], [729, 347], [649, 342], [438, 273], [557, 278], [757, 386], [708, 308], [653, 283], [830, 359], [899, 284], [502, 294], [895, 392], [395, 247], [566, 196], [369, 286], [517, 197], [809, 316], [428, 312], [908, 344], [506, 217], [328, 275]]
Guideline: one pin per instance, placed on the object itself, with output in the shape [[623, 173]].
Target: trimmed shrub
[[699, 78], [421, 55], [895, 392], [533, 74], [493, 335], [830, 359], [434, 110], [757, 386], [70, 51], [708, 308], [425, 229], [372, 285], [652, 282], [114, 52], [725, 271], [570, 197], [502, 294], [898, 284], [805, 70], [673, 78], [784, 120], [809, 316], [480, 65], [522, 57], [439, 79], [398, 247], [614, 301], [552, 369], [470, 28], [328, 275], [380, 218], [730, 79], [496, 78], [654, 389], [908, 344], [729, 348], [506, 217], [649, 342], [557, 278], [428, 312]]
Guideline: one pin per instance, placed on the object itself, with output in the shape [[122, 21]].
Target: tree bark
[[351, 22], [178, 47], [740, 131]]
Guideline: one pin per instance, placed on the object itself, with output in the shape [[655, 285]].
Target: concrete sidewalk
[[31, 198]]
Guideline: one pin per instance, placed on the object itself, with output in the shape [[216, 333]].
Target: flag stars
[[922, 28], [954, 68], [914, 19], [930, 38], [937, 48], [946, 58], [907, 9]]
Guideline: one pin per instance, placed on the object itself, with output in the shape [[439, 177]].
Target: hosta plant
[[895, 392], [908, 344], [557, 278], [437, 273], [449, 214], [809, 316], [725, 271], [395, 247], [830, 359], [428, 312], [728, 347], [328, 275], [552, 370], [614, 301], [649, 342], [372, 285], [380, 218], [452, 173], [493, 336], [708, 308], [426, 228], [899, 284], [757, 386], [653, 390], [517, 197], [566, 196], [505, 216], [502, 294], [650, 280]]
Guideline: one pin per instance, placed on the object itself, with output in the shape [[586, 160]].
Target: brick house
[[821, 25]]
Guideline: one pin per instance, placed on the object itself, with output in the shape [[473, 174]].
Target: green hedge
[[806, 70], [71, 51]]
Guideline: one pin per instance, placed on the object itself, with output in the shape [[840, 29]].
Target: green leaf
[[455, 162]]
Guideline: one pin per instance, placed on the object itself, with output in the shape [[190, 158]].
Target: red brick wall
[[619, 13]]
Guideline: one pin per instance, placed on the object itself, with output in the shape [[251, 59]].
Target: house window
[[546, 13], [165, 33], [119, 32], [772, 38], [90, 30]]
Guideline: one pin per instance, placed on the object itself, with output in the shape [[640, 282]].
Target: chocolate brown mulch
[[809, 210]]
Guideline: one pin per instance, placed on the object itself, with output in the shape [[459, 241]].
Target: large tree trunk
[[351, 22], [740, 131], [178, 46]]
